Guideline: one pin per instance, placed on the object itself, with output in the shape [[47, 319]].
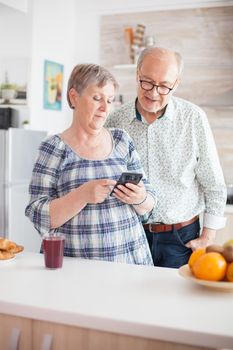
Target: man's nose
[[154, 91]]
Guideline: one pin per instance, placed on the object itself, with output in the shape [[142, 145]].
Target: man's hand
[[206, 238]]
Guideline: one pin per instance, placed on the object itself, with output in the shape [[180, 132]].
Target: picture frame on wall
[[53, 85]]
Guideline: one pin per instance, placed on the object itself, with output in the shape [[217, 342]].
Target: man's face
[[162, 72]]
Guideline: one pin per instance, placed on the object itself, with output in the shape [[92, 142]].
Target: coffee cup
[[53, 248]]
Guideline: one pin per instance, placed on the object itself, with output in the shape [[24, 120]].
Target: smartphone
[[132, 178]]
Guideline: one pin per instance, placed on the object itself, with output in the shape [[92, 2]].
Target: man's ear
[[137, 75], [176, 84]]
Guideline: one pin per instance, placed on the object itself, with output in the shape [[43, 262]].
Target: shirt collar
[[168, 114]]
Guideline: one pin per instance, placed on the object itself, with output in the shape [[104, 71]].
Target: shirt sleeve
[[210, 176], [42, 187]]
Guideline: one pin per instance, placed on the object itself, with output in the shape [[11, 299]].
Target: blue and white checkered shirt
[[110, 230]]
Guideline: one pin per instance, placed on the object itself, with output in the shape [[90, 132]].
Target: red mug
[[53, 248]]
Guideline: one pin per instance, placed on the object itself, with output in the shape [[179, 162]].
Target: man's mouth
[[151, 99]]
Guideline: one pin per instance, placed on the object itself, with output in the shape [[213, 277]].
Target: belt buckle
[[150, 227], [154, 223]]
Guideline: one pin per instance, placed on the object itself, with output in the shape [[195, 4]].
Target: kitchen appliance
[[6, 118], [18, 150], [230, 194]]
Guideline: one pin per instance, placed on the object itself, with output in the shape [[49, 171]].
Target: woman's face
[[93, 106]]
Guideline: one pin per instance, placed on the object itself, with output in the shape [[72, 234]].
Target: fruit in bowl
[[213, 263]]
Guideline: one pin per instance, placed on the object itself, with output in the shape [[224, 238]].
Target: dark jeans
[[168, 248]]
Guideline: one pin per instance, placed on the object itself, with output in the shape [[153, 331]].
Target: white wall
[[125, 6], [53, 38], [20, 5], [66, 35], [67, 32], [15, 29]]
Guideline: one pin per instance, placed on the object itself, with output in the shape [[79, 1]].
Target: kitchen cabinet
[[69, 338], [18, 333], [15, 333]]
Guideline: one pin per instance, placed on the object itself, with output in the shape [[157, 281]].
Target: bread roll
[[18, 249], [6, 244], [9, 246], [4, 255]]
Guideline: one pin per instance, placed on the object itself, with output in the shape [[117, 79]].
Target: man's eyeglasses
[[161, 89]]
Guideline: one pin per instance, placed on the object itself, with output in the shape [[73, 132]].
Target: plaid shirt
[[110, 230]]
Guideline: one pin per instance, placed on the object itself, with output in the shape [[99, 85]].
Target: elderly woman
[[75, 172]]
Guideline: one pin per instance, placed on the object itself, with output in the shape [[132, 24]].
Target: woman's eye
[[110, 101], [96, 98]]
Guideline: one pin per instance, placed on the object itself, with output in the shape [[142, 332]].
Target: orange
[[229, 273], [210, 266], [194, 256]]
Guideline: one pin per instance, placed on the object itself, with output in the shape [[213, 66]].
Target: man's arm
[[211, 180]]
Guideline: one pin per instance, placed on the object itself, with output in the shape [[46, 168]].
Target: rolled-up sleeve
[[210, 176]]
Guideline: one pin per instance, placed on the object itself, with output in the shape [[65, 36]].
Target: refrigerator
[[18, 151]]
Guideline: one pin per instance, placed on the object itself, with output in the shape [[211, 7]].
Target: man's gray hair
[[152, 51], [87, 74]]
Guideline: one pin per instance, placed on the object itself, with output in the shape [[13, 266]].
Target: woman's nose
[[103, 105]]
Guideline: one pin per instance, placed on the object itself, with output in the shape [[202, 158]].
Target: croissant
[[9, 248], [5, 255], [6, 244]]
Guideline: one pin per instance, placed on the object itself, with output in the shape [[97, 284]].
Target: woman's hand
[[96, 191], [130, 193], [64, 208]]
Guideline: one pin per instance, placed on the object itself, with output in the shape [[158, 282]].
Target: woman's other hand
[[135, 195], [96, 191], [131, 193]]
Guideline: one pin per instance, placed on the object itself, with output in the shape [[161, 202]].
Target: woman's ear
[[73, 97]]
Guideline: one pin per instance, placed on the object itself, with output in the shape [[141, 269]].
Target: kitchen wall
[[53, 38], [16, 36], [204, 37], [56, 31], [68, 33]]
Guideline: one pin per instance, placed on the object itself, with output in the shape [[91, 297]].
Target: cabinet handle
[[14, 338], [47, 342]]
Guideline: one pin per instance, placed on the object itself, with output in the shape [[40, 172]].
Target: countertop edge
[[136, 329]]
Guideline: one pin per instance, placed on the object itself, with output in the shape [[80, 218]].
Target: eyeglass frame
[[157, 86]]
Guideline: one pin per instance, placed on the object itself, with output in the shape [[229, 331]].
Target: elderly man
[[179, 155]]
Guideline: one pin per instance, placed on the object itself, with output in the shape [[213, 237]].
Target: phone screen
[[133, 178]]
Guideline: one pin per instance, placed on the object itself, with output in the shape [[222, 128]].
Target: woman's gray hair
[[153, 50], [84, 75]]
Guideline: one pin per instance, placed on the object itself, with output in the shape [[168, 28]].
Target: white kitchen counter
[[143, 301]]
